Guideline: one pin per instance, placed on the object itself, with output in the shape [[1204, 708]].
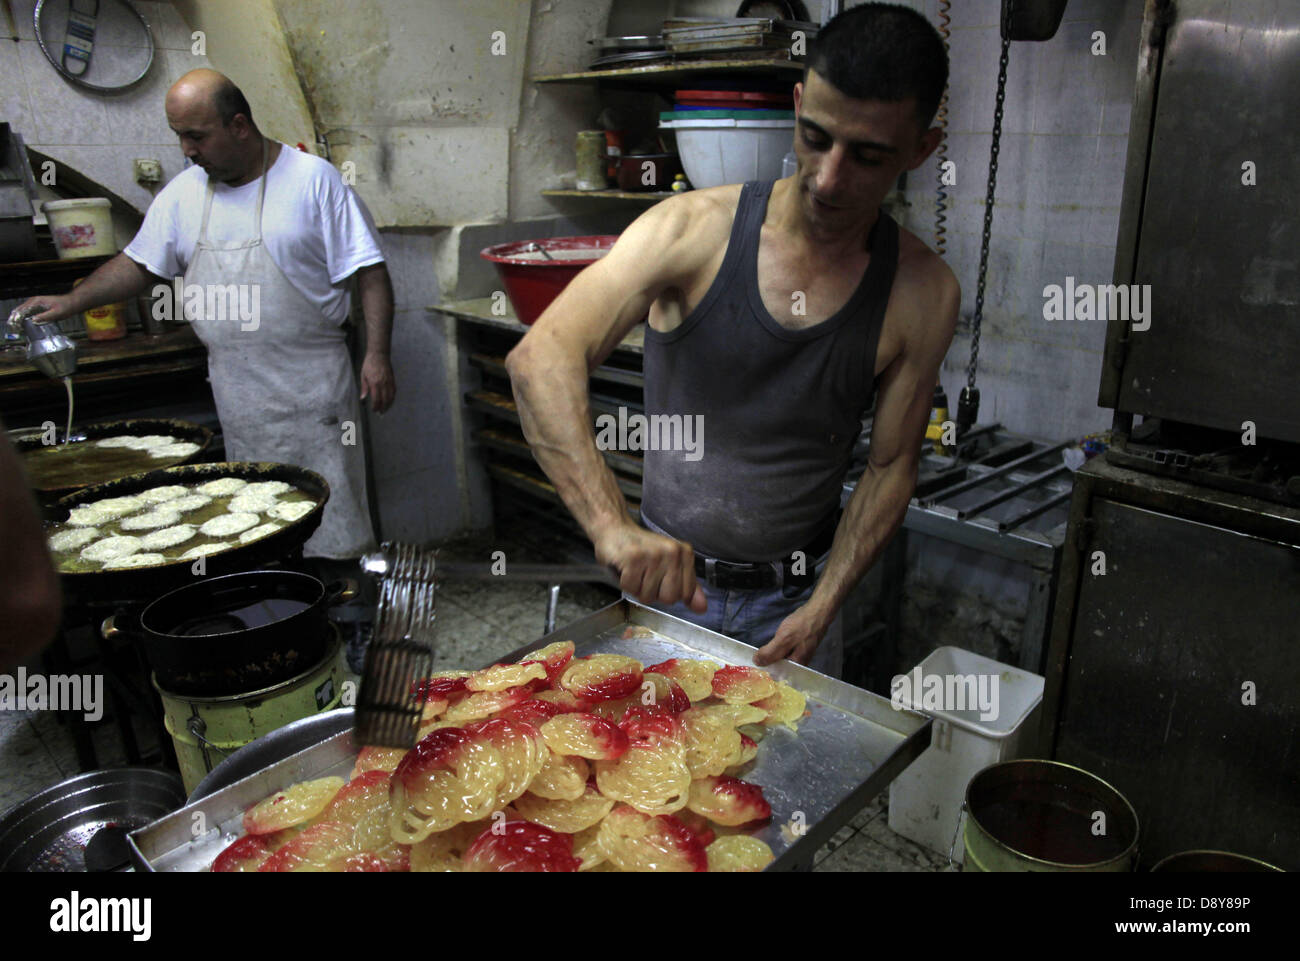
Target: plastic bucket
[[925, 800], [81, 228], [1047, 816], [735, 149]]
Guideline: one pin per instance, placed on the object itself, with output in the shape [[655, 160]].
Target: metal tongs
[[400, 656]]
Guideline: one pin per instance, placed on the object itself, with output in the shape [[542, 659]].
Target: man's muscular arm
[[549, 370], [119, 279], [879, 502]]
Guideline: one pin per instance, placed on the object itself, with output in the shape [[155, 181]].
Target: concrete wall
[[420, 96], [245, 40], [1060, 179]]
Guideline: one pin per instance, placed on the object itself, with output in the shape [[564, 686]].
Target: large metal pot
[[142, 583], [30, 440], [235, 634]]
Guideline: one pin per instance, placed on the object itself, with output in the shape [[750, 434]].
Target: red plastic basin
[[532, 281]]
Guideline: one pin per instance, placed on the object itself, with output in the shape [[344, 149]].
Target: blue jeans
[[753, 616]]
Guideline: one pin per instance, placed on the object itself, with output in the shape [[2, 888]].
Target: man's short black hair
[[883, 51], [230, 100]]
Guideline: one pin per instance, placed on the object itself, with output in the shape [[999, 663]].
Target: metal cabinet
[[1174, 664]]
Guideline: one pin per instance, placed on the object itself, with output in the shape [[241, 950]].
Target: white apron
[[282, 379]]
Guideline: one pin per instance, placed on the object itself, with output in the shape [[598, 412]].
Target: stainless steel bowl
[[81, 824]]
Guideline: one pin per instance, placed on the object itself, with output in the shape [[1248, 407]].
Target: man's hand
[[377, 382], [48, 307], [652, 568], [797, 638]]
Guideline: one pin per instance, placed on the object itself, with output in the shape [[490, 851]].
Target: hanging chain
[[988, 204]]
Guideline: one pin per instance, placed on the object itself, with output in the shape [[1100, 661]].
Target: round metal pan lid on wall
[[99, 45]]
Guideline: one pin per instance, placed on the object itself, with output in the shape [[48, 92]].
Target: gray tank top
[[781, 409]]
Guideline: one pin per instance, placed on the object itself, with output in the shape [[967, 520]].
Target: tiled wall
[[1060, 179], [99, 135]]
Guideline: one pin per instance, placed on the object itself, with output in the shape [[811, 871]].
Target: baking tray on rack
[[849, 746]]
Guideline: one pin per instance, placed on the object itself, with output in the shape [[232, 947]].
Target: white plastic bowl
[[724, 151]]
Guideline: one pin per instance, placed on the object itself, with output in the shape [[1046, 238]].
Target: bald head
[[215, 125], [208, 92]]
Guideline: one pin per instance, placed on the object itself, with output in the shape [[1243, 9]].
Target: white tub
[[81, 228], [730, 151]]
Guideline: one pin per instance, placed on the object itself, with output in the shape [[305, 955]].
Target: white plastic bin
[[925, 800], [81, 228], [731, 151]]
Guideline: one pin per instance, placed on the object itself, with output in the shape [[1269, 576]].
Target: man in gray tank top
[[777, 312]]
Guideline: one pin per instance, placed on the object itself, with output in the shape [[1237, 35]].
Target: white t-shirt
[[316, 228]]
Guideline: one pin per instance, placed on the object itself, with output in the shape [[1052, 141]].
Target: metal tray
[[847, 750]]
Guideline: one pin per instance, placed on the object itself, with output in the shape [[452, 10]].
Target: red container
[[532, 281], [734, 99]]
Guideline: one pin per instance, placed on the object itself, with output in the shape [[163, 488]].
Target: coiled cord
[[941, 154]]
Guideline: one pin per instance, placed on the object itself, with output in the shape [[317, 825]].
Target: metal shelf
[[673, 74], [643, 196]]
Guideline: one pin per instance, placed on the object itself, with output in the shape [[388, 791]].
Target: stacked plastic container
[[730, 136]]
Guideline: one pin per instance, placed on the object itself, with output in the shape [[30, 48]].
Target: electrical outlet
[[148, 172]]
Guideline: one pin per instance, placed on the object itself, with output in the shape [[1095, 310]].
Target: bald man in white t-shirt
[[276, 236]]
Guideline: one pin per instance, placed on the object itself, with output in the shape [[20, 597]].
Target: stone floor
[[477, 623]]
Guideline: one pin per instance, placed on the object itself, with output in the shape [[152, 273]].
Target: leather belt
[[731, 575]]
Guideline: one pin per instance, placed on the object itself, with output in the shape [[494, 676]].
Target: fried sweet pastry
[[784, 707], [651, 777], [712, 742], [728, 800], [521, 846], [737, 684], [634, 841], [296, 804], [602, 677], [447, 778], [585, 735], [499, 677], [694, 676], [567, 817], [562, 778], [555, 657], [445, 850], [738, 852]]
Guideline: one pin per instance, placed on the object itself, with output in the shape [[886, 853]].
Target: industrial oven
[[1174, 661]]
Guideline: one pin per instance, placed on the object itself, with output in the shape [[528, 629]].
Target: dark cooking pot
[[234, 634], [140, 583]]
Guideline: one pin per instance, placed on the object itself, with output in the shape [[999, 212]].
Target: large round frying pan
[[140, 427], [146, 583]]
